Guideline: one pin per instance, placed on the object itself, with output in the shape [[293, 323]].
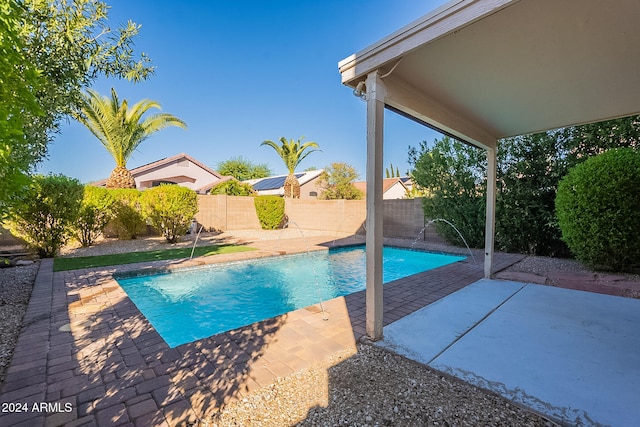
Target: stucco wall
[[221, 212], [336, 216], [402, 218]]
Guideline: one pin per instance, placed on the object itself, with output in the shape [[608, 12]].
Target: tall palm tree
[[292, 153], [121, 129]]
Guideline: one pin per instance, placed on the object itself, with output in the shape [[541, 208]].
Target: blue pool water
[[188, 305]]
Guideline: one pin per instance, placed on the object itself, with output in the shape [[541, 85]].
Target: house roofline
[[166, 160]]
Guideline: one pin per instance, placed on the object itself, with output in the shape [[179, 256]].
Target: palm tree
[[121, 129], [292, 153]]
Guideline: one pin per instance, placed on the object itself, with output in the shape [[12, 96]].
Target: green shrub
[[529, 170], [233, 188], [170, 209], [454, 176], [44, 215], [127, 213], [598, 209], [95, 213], [270, 210]]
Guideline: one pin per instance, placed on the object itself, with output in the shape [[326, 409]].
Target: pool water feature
[[190, 304]]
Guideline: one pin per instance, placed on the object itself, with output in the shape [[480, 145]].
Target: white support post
[[490, 221], [376, 93]]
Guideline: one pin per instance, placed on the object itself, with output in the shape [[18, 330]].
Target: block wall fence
[[403, 218]]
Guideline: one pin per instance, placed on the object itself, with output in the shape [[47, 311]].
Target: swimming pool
[[187, 305]]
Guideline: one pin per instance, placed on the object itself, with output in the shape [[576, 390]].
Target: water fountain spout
[[333, 244], [195, 242], [453, 226], [420, 233]]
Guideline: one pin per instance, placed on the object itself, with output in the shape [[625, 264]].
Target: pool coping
[[86, 346]]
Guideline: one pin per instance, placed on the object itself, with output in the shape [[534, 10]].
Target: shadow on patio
[[102, 362]]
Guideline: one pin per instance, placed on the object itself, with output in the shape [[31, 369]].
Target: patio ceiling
[[487, 69]]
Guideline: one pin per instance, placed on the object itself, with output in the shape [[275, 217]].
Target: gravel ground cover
[[16, 284], [374, 387]]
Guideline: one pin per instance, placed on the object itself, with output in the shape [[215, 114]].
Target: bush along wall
[[170, 209], [233, 188], [96, 211], [45, 213], [598, 209], [270, 211], [128, 221]]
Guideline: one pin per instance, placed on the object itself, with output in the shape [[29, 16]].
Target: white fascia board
[[448, 18]]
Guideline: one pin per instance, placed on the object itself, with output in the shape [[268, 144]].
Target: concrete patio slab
[[432, 329], [571, 355]]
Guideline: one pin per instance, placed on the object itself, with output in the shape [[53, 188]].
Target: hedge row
[[56, 208]]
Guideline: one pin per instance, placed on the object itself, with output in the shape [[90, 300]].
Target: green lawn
[[64, 264]]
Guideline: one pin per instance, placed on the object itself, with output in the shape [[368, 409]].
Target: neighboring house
[[408, 182], [274, 185], [207, 188], [180, 169], [392, 188]]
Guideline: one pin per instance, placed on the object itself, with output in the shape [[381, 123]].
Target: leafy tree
[[529, 170], [292, 153], [598, 208], [49, 51], [19, 79], [337, 181], [170, 209], [95, 212], [121, 129], [233, 188], [243, 169], [454, 174], [581, 142], [72, 44], [46, 212]]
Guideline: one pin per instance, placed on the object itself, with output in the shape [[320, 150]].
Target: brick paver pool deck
[[87, 356]]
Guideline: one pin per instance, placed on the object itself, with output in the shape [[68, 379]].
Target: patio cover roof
[[488, 69], [481, 70]]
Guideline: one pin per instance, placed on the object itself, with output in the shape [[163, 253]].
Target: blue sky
[[240, 72]]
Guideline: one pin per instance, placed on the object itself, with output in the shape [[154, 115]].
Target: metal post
[[375, 126], [490, 221]]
